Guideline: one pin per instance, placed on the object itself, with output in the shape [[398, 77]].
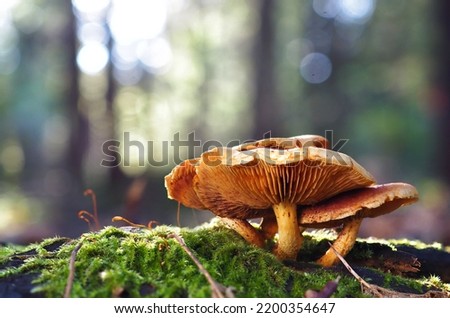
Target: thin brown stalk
[[178, 214], [71, 276], [119, 218], [148, 226], [91, 193], [86, 217]]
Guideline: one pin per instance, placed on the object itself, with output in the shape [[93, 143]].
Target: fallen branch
[[218, 290]]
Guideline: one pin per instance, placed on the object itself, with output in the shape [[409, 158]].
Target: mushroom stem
[[289, 236], [246, 230], [343, 243], [269, 227]]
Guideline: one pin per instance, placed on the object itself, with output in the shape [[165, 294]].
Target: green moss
[[7, 250], [120, 262], [403, 284], [434, 282], [395, 242]]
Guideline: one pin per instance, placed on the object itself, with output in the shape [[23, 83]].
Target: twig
[[217, 289], [71, 276], [358, 278]]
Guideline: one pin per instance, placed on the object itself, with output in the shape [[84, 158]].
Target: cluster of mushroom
[[292, 184]]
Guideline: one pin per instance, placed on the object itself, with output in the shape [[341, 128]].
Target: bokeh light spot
[[326, 8], [92, 58], [356, 11], [92, 32], [89, 6], [155, 54], [133, 20], [315, 68], [12, 158]]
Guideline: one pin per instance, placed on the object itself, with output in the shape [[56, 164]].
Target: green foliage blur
[[75, 74]]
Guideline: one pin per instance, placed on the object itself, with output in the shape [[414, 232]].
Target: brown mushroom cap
[[366, 202], [246, 184], [180, 184], [348, 209], [286, 143]]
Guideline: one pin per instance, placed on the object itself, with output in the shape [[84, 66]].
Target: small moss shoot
[[149, 263], [7, 250]]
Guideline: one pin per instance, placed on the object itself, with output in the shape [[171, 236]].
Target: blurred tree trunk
[[266, 109], [116, 175], [441, 88], [78, 124]]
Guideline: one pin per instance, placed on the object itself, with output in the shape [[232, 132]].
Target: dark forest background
[[75, 74]]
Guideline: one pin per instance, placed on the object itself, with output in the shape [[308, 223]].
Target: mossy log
[[135, 262]]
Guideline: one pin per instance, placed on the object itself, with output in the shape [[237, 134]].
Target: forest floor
[[213, 261]]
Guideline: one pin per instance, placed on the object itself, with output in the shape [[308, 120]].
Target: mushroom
[[180, 184], [180, 187], [269, 177], [348, 209]]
